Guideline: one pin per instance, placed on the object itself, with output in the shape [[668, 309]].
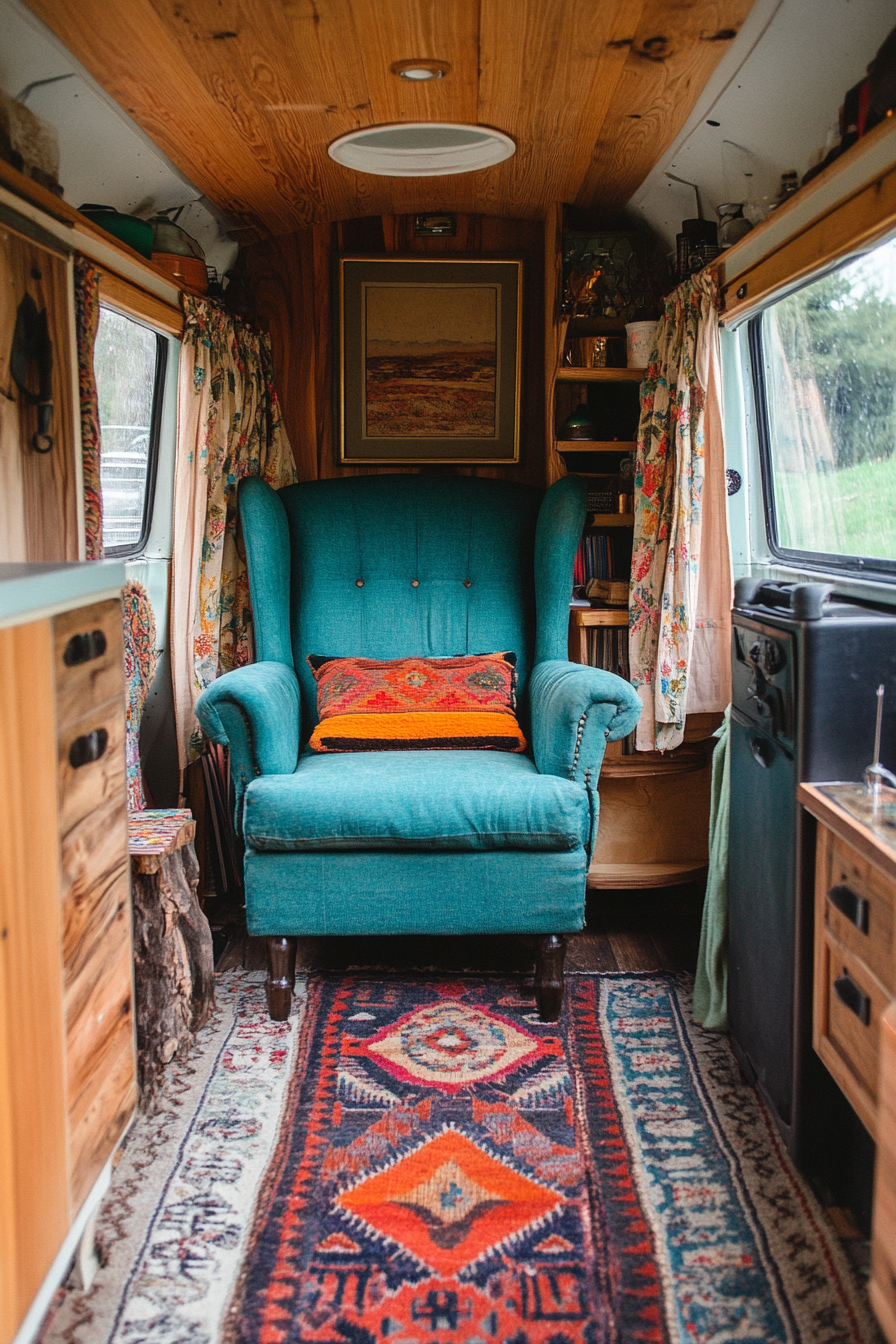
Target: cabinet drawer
[[883, 1255], [859, 911], [102, 1113], [95, 884], [91, 762], [854, 1000], [88, 659], [95, 992]]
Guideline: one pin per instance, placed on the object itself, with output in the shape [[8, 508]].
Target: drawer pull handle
[[87, 749], [850, 904], [84, 648], [853, 998]]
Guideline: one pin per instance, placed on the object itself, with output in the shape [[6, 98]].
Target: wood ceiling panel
[[245, 95], [290, 80], [548, 75], [677, 46], [131, 54], [418, 30]]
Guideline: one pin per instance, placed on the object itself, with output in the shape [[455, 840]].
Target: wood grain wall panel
[[291, 281], [34, 1204], [245, 95], [677, 45], [38, 491]]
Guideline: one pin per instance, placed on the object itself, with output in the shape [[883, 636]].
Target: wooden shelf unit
[[595, 445], [568, 373], [602, 520], [582, 616], [654, 806], [642, 876]]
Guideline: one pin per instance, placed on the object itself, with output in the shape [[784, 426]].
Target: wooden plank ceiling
[[245, 95]]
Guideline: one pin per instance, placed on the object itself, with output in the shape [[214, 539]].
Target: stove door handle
[[763, 751]]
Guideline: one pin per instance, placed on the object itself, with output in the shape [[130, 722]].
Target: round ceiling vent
[[421, 149]]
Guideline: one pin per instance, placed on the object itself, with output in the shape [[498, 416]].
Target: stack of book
[[608, 649], [602, 555]]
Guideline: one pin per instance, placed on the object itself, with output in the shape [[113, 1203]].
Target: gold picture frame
[[429, 358]]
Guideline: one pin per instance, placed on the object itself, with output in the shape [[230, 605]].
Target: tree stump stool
[[174, 969]]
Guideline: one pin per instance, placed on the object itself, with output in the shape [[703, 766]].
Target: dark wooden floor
[[625, 931]]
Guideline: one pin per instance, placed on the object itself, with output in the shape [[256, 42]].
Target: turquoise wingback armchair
[[422, 842]]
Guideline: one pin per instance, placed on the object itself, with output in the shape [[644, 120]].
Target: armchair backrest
[[399, 565]]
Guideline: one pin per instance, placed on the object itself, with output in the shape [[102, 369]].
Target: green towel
[[711, 985]]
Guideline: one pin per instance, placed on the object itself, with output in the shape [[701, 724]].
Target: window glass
[[828, 357], [126, 366]]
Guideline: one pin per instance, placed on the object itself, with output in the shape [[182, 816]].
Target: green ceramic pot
[[137, 233], [580, 425]]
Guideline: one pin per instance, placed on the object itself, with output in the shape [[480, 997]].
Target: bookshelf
[[595, 446], [654, 806]]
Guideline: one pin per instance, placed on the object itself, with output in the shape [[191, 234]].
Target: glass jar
[[732, 224]]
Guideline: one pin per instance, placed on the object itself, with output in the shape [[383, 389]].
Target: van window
[[129, 367], [824, 363]]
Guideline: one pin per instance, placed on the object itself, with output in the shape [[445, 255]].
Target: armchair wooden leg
[[281, 953], [549, 960]]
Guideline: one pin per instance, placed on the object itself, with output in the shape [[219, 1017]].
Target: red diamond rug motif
[[451, 1045], [448, 1202]]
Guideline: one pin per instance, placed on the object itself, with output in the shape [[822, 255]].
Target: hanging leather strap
[[30, 363]]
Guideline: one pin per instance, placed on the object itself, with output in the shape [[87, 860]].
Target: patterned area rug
[[411, 1160]]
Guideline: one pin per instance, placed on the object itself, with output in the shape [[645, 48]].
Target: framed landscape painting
[[429, 360]]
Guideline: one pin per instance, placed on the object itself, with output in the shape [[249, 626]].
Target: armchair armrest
[[256, 711], [576, 710]]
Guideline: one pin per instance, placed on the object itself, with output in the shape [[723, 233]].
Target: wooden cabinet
[[38, 478], [855, 952], [883, 1253], [854, 1013], [67, 1064]]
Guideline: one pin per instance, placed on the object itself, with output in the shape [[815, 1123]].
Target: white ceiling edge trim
[[103, 253], [870, 161], [752, 31]]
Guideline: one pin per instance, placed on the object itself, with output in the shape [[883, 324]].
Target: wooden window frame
[[135, 302], [854, 223]]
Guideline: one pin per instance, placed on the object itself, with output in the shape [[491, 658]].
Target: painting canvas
[[429, 360]]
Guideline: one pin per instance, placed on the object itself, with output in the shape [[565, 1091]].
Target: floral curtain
[[87, 317], [680, 599], [140, 660], [229, 426]]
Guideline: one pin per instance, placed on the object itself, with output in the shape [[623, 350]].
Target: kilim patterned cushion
[[417, 704]]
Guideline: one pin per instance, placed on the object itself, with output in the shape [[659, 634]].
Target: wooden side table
[[174, 970]]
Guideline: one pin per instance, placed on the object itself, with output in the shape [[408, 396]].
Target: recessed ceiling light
[[420, 71], [421, 149]]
